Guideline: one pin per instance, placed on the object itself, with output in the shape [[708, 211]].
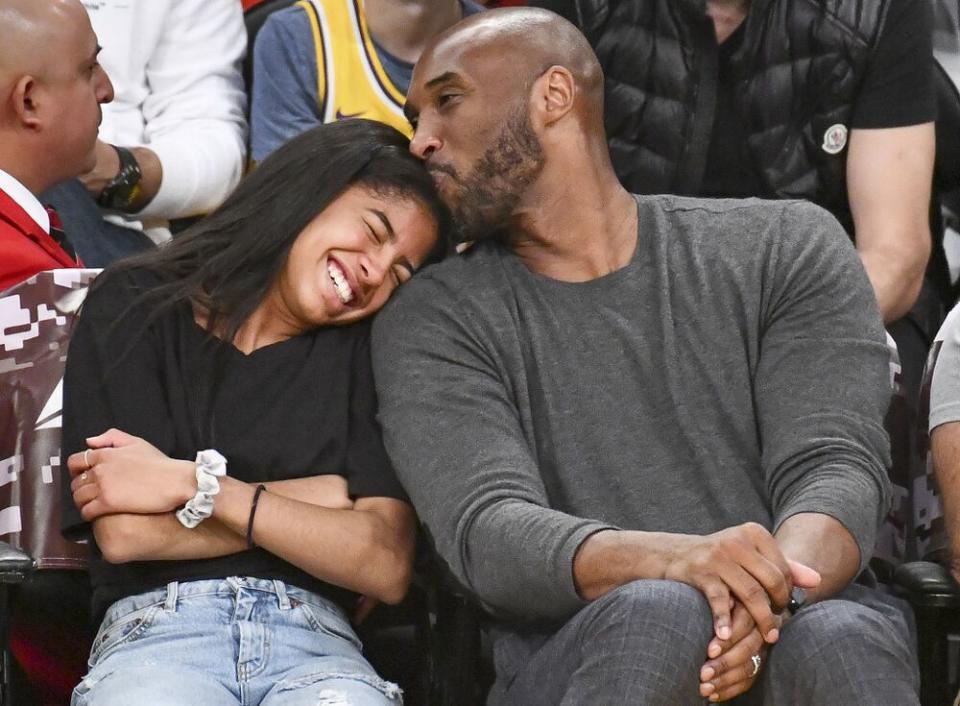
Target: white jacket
[[175, 67]]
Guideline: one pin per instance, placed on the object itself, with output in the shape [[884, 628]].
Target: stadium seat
[[48, 614]]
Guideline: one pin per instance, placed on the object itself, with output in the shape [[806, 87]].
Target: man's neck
[[403, 27], [727, 16], [581, 229]]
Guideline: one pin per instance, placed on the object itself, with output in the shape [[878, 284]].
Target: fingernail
[[706, 674], [723, 633], [714, 698], [773, 635], [714, 650]]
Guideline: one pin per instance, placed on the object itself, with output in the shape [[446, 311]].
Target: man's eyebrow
[[445, 77]]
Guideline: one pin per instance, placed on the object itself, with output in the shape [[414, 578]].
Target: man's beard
[[489, 195]]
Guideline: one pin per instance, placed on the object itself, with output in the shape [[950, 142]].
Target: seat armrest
[[15, 565], [924, 583]]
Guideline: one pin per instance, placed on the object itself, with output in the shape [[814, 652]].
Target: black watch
[[124, 188], [798, 598]]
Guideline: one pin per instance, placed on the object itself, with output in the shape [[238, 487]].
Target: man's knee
[[840, 644], [670, 608]]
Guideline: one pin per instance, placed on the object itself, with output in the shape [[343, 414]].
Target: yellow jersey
[[351, 81]]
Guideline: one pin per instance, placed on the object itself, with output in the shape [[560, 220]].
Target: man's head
[[51, 88], [497, 99]]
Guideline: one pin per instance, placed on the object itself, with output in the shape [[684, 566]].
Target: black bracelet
[[124, 188], [253, 511]]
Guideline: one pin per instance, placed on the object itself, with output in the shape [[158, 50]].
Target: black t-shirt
[[302, 407], [898, 90]]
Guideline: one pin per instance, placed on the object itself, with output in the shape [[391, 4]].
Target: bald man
[[51, 89], [635, 426]]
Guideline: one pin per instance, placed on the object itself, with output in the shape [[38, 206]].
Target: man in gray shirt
[[631, 425]]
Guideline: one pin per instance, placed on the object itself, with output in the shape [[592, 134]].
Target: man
[[832, 102], [51, 90], [633, 425], [325, 60], [173, 142]]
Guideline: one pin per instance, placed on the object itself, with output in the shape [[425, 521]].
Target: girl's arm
[[366, 546]]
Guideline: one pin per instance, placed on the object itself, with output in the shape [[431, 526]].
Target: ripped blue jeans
[[235, 641]]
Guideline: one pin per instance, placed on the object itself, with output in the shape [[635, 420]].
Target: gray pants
[[644, 644]]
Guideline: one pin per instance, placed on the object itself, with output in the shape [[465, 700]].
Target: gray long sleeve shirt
[[735, 370]]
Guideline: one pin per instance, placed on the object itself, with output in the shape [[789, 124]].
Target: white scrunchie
[[211, 465]]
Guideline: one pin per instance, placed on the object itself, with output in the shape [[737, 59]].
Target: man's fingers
[[769, 576], [735, 673], [734, 665], [802, 575], [741, 625], [755, 599], [718, 596]]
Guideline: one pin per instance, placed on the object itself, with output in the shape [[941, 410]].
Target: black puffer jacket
[[798, 70]]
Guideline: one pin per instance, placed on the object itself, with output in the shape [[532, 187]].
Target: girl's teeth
[[340, 283]]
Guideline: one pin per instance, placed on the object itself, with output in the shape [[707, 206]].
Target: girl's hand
[[121, 473]]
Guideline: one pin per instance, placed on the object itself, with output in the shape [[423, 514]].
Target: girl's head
[[321, 232]]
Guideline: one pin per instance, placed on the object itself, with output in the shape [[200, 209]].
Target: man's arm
[[825, 545], [821, 390], [453, 433], [945, 447], [889, 177], [192, 153], [108, 166]]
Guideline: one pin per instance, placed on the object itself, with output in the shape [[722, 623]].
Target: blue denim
[[229, 642]]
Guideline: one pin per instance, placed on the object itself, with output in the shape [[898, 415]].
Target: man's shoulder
[[462, 283], [723, 223]]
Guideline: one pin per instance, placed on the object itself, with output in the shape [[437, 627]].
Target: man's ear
[[24, 102], [554, 94]]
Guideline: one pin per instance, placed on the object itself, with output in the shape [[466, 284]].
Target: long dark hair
[[227, 262]]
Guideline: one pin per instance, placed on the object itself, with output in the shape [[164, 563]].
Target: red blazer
[[25, 249]]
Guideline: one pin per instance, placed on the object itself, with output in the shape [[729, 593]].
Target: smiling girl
[[226, 460]]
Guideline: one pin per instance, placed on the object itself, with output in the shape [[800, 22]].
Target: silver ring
[[83, 477], [86, 459], [756, 659]]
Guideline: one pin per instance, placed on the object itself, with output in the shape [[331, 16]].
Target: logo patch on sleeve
[[835, 139]]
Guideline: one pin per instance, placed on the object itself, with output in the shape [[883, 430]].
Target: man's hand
[[121, 473], [730, 669], [742, 562]]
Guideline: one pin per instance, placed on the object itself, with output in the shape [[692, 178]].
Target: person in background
[[635, 425], [172, 144], [52, 89], [829, 102], [325, 60], [244, 345]]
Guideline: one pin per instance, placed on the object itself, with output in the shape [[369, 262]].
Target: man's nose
[[424, 143], [105, 89]]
